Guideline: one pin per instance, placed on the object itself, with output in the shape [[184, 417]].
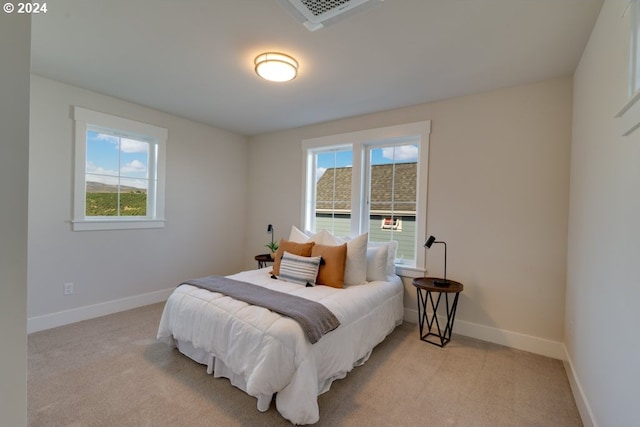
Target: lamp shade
[[430, 241], [276, 67]]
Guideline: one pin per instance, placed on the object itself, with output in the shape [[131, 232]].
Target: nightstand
[[263, 259], [425, 288]]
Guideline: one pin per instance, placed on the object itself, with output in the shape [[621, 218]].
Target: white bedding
[[263, 353]]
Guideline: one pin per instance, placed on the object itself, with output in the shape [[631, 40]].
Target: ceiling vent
[[316, 14]]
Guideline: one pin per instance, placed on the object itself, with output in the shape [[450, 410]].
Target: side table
[[263, 259], [425, 289]]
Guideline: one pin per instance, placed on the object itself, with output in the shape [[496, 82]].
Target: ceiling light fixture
[[276, 67]]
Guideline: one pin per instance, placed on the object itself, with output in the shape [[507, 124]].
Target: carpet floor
[[110, 371]]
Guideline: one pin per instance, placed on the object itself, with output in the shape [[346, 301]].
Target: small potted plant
[[273, 247]]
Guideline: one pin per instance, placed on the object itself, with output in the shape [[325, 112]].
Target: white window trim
[[629, 115], [87, 118], [356, 141]]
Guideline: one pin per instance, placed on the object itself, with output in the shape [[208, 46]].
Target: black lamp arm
[[445, 261], [270, 231], [430, 241]]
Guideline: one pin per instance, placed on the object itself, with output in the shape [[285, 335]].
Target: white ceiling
[[194, 58]]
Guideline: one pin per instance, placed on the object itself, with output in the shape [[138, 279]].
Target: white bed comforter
[[263, 353]]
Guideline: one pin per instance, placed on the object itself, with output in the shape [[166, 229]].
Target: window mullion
[[333, 194], [119, 174], [314, 194], [365, 188], [151, 180], [358, 196], [393, 189]]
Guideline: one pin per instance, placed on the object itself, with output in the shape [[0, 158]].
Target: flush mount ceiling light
[[276, 67]]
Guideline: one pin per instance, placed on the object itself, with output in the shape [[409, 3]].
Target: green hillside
[[133, 203]]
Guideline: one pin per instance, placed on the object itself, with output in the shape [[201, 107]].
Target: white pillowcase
[[297, 236], [377, 263], [355, 271], [322, 237], [392, 248]]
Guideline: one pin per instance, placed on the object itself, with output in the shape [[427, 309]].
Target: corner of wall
[[580, 397]]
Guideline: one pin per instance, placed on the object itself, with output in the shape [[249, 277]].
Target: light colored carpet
[[110, 371]]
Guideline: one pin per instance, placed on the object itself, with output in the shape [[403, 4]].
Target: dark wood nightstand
[[263, 259], [425, 287]]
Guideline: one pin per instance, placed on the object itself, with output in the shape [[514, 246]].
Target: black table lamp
[[430, 241], [270, 230]]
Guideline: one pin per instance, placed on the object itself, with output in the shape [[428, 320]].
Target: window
[[629, 115], [634, 51], [374, 181], [331, 197], [392, 171], [119, 173]]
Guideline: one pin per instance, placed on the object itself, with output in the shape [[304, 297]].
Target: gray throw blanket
[[314, 318]]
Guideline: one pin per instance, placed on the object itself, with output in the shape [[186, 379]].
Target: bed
[[265, 354]]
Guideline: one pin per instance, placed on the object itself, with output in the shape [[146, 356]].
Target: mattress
[[264, 353]]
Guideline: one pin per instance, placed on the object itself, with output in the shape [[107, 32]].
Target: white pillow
[[355, 271], [299, 269], [297, 236], [392, 248], [377, 263], [323, 237]]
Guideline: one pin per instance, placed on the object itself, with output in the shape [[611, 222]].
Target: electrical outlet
[[68, 288]]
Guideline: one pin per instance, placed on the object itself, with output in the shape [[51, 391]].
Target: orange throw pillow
[[302, 249], [331, 271]]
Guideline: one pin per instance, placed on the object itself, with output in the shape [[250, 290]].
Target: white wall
[[498, 194], [15, 45], [114, 270], [603, 270]]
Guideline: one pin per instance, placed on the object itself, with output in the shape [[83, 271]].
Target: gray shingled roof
[[381, 189]]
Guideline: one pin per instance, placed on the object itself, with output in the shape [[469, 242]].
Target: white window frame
[[359, 142], [156, 136], [629, 115]]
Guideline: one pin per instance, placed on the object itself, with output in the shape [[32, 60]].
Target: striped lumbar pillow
[[299, 269]]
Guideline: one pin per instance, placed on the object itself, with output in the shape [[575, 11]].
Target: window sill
[[629, 116], [109, 224], [411, 272]]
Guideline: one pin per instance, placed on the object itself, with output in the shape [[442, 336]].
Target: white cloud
[[126, 145], [92, 168], [134, 166], [133, 146], [110, 177], [109, 138], [402, 153]]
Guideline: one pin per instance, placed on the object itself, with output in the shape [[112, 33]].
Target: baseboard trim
[[584, 408], [66, 317], [511, 339]]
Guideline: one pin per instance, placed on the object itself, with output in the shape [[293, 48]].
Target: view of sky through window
[[113, 160], [382, 156], [397, 154]]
